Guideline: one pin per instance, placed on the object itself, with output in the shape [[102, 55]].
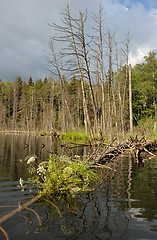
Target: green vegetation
[[75, 137], [147, 127], [61, 176], [144, 88]]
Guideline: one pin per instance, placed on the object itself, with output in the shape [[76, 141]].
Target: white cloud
[[25, 32], [138, 56]]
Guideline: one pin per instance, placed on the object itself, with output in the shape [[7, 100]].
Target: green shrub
[[61, 175], [148, 126]]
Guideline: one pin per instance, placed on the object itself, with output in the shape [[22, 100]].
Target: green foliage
[[60, 176], [144, 87], [40, 105], [30, 82], [148, 126], [76, 136]]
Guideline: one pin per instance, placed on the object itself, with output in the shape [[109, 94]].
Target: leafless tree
[[130, 100], [119, 92], [55, 63], [100, 52]]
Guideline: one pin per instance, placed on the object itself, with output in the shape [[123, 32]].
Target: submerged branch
[[54, 206], [5, 233], [9, 215]]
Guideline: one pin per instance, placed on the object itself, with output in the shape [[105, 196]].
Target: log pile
[[106, 154]]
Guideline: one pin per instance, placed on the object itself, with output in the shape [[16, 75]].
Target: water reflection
[[122, 206], [16, 147]]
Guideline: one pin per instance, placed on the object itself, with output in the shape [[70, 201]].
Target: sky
[[25, 32]]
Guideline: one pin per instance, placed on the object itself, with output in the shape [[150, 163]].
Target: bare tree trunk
[[85, 109], [109, 83], [97, 92], [63, 103], [110, 39], [102, 68], [119, 94], [62, 84], [114, 105], [89, 77], [130, 101], [126, 71], [52, 122]]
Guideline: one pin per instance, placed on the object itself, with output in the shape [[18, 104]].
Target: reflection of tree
[[95, 215], [17, 147], [100, 214], [144, 189], [13, 168], [129, 182]]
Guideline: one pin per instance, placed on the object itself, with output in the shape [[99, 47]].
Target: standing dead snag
[[79, 64], [83, 44], [55, 62], [119, 93], [130, 100], [100, 57]]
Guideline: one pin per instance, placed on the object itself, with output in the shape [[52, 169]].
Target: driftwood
[[25, 206], [108, 153], [111, 152], [71, 145]]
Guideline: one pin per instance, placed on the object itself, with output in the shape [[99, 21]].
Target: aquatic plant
[[61, 175]]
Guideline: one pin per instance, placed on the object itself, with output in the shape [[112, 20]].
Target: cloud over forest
[[25, 31]]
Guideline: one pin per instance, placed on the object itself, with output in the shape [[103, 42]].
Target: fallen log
[[133, 144], [71, 145], [110, 153]]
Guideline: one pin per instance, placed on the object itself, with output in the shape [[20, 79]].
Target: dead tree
[[130, 101], [126, 57], [88, 75], [80, 67], [99, 28], [74, 52], [119, 92], [54, 62], [111, 92]]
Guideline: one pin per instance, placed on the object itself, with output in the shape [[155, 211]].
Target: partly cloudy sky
[[25, 33]]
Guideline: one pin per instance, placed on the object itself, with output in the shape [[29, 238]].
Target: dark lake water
[[122, 206]]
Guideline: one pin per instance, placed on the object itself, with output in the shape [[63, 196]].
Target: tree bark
[[119, 94], [102, 68], [130, 101], [85, 109], [89, 77], [62, 84]]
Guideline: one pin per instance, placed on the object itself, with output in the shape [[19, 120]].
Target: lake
[[123, 205]]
